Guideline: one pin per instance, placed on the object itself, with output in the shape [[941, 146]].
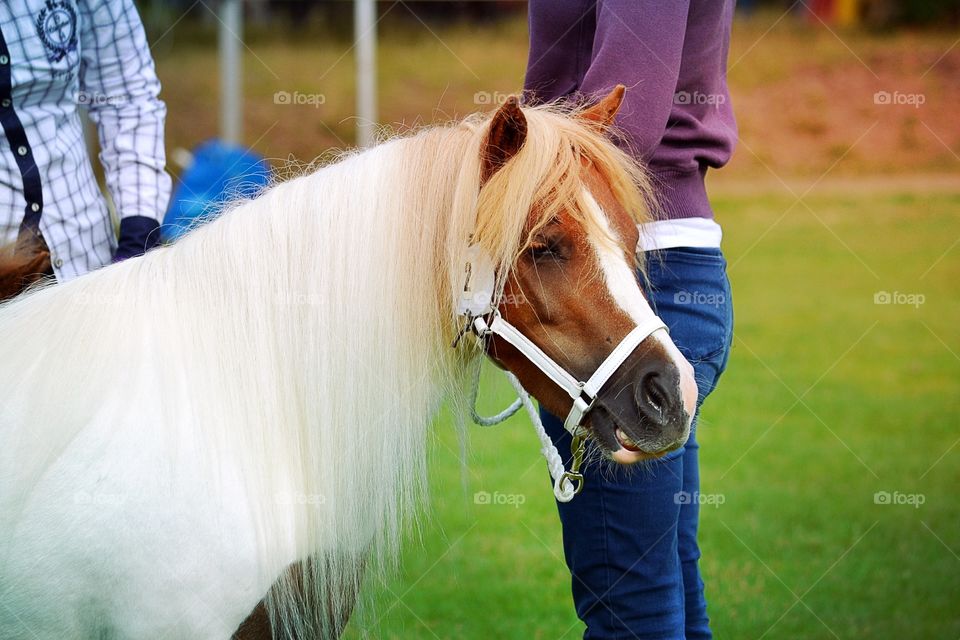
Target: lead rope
[[566, 484], [493, 420]]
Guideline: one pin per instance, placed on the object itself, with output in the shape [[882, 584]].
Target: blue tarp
[[219, 172]]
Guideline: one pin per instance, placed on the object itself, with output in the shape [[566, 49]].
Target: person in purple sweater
[[630, 539]]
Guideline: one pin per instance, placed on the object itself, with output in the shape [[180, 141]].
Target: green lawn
[[828, 399]]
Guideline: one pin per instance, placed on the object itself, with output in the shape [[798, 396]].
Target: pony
[[22, 264], [219, 438]]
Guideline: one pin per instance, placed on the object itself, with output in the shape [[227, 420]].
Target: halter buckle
[[575, 479]]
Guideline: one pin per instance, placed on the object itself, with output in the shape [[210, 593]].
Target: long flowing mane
[[298, 345]]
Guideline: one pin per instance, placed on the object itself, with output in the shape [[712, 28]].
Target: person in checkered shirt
[[56, 57]]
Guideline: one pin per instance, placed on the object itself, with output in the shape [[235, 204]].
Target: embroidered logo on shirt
[[57, 28]]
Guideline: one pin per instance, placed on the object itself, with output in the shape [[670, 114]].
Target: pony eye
[[544, 249]]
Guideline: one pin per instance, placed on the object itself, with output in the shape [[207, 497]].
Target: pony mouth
[[626, 442], [614, 442], [630, 451]]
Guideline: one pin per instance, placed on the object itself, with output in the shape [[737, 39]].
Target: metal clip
[[577, 447], [576, 479]]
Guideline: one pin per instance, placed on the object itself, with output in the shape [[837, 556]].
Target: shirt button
[[58, 262], [35, 207], [4, 59], [6, 102], [22, 150]]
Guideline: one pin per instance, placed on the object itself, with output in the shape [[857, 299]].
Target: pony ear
[[508, 132], [603, 112]]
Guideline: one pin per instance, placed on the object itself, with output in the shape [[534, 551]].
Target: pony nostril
[[652, 393]]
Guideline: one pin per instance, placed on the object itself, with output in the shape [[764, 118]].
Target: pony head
[[567, 273]]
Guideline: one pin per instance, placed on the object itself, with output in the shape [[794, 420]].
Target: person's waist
[[684, 217], [681, 193]]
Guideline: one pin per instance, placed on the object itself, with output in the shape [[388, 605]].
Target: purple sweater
[[672, 57]]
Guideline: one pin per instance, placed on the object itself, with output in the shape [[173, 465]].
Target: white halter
[[476, 303]]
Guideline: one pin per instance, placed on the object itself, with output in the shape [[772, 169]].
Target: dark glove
[[138, 234]]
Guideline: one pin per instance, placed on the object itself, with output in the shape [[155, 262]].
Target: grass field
[[829, 398]]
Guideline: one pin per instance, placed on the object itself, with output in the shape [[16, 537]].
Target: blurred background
[[831, 449]]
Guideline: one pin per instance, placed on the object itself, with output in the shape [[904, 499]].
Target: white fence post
[[231, 71], [365, 41]]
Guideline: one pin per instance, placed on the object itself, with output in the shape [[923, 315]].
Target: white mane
[[291, 353]]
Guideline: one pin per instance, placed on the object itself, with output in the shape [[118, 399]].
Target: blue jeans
[[630, 538]]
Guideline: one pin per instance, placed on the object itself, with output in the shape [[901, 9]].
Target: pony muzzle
[[641, 416]]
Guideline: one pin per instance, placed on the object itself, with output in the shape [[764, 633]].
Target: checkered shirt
[[57, 56]]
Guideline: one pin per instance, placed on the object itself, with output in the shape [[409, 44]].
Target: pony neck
[[331, 294]]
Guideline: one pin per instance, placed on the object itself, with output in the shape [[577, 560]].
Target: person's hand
[[138, 234]]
